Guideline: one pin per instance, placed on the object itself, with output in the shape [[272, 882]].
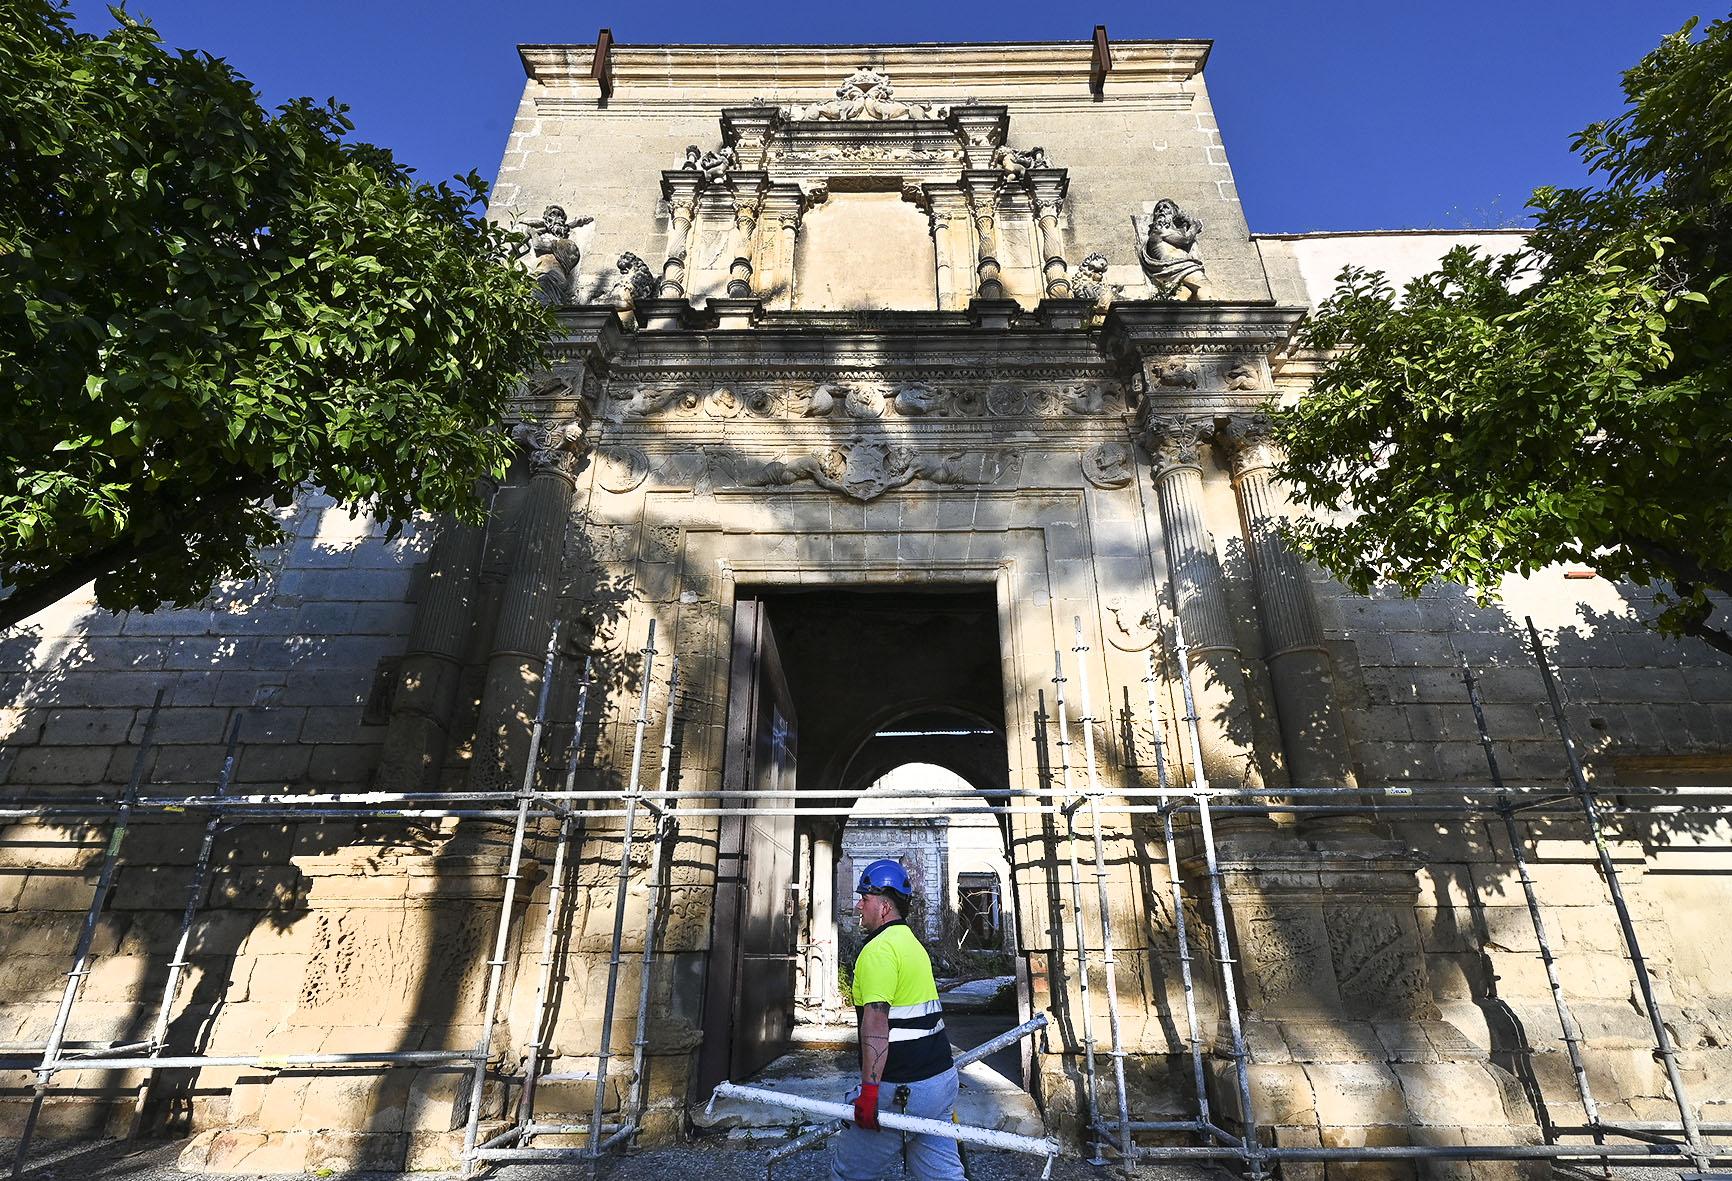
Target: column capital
[[554, 447], [749, 189], [1048, 187], [1172, 441], [1249, 442], [680, 187]]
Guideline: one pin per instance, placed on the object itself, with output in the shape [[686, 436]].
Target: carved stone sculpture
[[1090, 282], [717, 164], [866, 95], [1176, 375], [554, 256], [1166, 244], [863, 469], [1014, 163], [1242, 375], [694, 159], [916, 400], [635, 282]]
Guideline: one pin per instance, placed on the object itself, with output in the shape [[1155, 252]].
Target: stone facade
[[864, 371]]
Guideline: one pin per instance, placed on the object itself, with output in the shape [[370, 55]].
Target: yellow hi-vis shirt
[[894, 969]]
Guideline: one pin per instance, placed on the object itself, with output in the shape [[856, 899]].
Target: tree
[[1568, 403], [205, 307]]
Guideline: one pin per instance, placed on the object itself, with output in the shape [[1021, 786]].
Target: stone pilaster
[[982, 190], [1178, 448], [1300, 671], [526, 613], [1047, 187], [428, 677], [784, 206], [681, 190], [749, 189], [948, 218]]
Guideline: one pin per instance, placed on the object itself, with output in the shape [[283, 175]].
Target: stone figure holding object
[[554, 256], [1167, 246]]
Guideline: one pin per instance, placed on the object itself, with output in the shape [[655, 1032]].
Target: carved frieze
[[861, 468], [866, 400]]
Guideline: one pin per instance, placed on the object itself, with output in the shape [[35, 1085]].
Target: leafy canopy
[[205, 306], [1569, 403]]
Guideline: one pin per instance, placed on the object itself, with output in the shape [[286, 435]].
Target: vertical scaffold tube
[[1108, 960], [664, 833], [1566, 1018], [604, 1051], [507, 902], [1157, 727], [1223, 940], [1699, 1155], [555, 906], [177, 963], [1071, 802], [86, 936]]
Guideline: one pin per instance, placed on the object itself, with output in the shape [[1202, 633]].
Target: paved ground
[[155, 1161]]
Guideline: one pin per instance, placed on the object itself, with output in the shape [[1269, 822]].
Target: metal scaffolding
[[1185, 806]]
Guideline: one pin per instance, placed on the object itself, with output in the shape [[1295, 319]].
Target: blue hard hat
[[884, 876]]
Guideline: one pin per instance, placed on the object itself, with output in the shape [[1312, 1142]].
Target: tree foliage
[[205, 306], [1568, 403]]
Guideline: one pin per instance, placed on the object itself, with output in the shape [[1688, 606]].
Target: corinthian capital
[[552, 447], [1249, 441], [1173, 441]]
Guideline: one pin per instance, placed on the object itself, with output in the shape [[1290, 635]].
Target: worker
[[905, 1061]]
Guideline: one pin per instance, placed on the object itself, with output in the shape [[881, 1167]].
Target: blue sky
[[1349, 115]]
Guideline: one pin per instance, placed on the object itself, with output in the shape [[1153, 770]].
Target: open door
[[749, 986]]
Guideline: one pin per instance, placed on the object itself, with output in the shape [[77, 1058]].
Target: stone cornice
[[943, 73], [1135, 327]]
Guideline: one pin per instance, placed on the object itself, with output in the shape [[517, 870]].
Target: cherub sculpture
[[1167, 248], [1014, 163], [716, 165]]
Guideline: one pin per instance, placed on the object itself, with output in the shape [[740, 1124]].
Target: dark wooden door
[[749, 986]]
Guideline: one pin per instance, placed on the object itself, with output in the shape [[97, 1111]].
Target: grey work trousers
[[859, 1155]]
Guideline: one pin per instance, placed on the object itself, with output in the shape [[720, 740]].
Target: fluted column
[[982, 190], [748, 191], [1223, 699], [681, 190], [1300, 670], [526, 611], [432, 667], [1047, 186]]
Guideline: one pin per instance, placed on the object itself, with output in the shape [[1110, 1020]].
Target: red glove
[[866, 1107]]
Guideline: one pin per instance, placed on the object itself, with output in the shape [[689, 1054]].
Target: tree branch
[[1692, 617], [25, 601]]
